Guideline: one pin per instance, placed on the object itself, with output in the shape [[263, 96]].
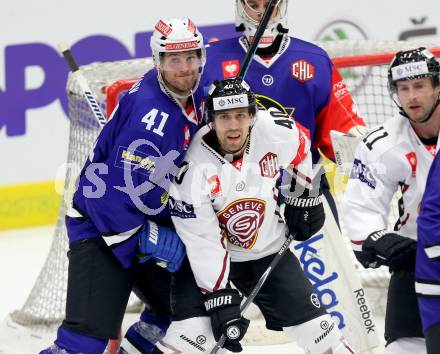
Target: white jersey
[[389, 158], [228, 211]]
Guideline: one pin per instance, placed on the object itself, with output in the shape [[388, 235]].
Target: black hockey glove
[[390, 249], [223, 306], [303, 210]]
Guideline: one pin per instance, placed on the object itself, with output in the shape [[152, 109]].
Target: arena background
[[33, 120]]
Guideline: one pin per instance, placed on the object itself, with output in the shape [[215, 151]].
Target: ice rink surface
[[22, 255]]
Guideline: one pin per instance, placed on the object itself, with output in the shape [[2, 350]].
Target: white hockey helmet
[[244, 23], [173, 35]]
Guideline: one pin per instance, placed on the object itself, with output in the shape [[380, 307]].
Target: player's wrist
[[391, 249], [303, 201]]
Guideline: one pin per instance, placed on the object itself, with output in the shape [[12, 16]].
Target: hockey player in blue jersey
[[286, 71], [428, 260], [119, 224], [289, 73]]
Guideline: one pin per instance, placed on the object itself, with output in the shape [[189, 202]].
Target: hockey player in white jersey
[[225, 207], [396, 156]]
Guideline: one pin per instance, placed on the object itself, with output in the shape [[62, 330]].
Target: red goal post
[[115, 90], [372, 59]]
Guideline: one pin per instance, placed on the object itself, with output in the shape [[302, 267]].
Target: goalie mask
[[177, 36], [244, 9], [410, 65], [229, 94]]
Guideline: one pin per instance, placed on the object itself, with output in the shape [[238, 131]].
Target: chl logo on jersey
[[303, 70], [230, 68], [241, 221], [269, 165]]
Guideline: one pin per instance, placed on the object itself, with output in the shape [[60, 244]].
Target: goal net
[[363, 65]]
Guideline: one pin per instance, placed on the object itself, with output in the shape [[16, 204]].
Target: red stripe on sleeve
[[357, 243], [301, 153], [339, 114], [225, 263]]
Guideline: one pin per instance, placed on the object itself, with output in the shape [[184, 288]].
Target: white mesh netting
[[45, 306]]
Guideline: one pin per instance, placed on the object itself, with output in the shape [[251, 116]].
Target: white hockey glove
[[390, 249]]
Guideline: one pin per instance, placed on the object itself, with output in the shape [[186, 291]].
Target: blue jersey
[[428, 250], [126, 178], [301, 78]]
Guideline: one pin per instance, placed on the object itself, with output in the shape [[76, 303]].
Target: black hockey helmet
[[229, 94], [409, 65], [413, 64]]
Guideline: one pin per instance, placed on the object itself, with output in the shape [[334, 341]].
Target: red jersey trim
[[301, 153], [225, 263], [339, 114]]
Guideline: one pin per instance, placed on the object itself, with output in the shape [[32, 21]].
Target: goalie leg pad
[[190, 336], [320, 335]]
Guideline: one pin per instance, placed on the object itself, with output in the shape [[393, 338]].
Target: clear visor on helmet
[[180, 71], [181, 61]]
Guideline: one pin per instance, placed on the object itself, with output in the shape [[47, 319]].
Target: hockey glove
[[396, 251], [303, 213], [223, 306], [161, 243]]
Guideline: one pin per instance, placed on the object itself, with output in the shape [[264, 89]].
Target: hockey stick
[[253, 47], [82, 82], [328, 264], [259, 285], [91, 101]]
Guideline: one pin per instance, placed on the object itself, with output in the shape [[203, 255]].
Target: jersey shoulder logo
[[230, 68], [303, 71], [269, 165], [412, 159], [363, 173], [215, 186]]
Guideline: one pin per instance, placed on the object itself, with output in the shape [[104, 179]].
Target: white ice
[[22, 255]]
